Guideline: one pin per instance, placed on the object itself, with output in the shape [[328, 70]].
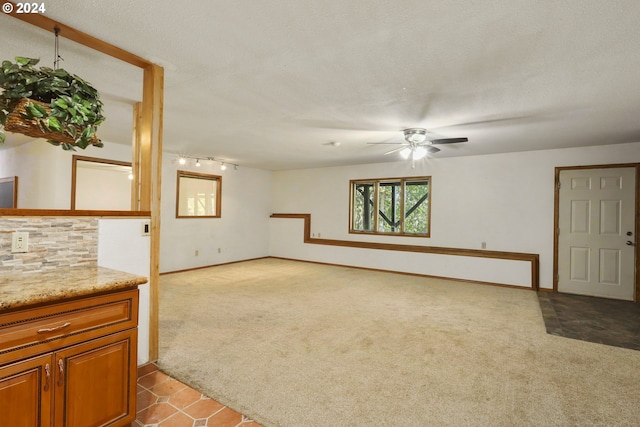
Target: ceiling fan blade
[[449, 140], [432, 150], [395, 150], [387, 143]]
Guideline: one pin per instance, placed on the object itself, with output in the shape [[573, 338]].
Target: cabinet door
[[26, 393], [96, 382]]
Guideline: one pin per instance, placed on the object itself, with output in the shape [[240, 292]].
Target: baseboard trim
[[533, 259], [212, 265], [427, 276]]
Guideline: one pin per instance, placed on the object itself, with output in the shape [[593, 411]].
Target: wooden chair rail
[[533, 259]]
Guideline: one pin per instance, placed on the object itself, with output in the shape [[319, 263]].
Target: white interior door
[[595, 250]]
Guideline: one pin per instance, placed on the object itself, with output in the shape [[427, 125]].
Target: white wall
[[44, 171], [42, 181], [241, 233], [286, 242], [121, 246], [505, 200]]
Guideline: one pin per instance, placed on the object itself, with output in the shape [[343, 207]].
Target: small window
[[100, 184], [199, 195], [395, 206], [9, 192]]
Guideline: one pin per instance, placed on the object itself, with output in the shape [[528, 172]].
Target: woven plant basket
[[18, 124]]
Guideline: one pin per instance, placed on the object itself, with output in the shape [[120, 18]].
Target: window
[[391, 206], [9, 192], [198, 195], [100, 184]]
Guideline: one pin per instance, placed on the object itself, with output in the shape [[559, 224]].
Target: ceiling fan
[[417, 146]]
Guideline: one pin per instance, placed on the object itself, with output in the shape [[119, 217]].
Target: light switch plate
[[146, 228]]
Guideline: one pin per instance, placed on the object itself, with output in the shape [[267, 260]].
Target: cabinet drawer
[[31, 331]]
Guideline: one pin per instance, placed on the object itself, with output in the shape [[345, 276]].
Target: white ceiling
[[271, 83]]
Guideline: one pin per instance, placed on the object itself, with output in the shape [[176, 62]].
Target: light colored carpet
[[299, 344]]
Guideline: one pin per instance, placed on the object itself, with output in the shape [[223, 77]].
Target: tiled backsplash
[[53, 242]]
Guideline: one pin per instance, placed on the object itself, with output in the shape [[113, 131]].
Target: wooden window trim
[[14, 181], [74, 165], [216, 178]]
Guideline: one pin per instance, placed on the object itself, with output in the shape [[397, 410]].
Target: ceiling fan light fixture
[[405, 153], [417, 145], [415, 135], [419, 153]]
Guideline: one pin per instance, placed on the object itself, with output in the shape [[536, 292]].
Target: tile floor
[[599, 320], [166, 402]]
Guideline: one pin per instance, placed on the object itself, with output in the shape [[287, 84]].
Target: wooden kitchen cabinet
[[70, 364], [25, 393], [93, 384]]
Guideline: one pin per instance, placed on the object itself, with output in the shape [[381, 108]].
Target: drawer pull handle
[[47, 377], [55, 328], [61, 373]]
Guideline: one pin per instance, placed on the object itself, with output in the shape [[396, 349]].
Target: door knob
[[629, 243]]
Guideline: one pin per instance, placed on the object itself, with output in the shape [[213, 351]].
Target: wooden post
[[136, 156], [150, 185]]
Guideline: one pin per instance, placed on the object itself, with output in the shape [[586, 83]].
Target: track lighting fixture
[[184, 159]]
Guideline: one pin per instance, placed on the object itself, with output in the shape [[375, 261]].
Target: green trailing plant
[[73, 106]]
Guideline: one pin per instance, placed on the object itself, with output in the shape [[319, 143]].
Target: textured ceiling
[[271, 83]]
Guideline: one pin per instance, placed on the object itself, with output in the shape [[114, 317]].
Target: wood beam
[[10, 212], [151, 128], [48, 24], [136, 156]]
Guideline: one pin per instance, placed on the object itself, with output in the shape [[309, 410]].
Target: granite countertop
[[25, 289]]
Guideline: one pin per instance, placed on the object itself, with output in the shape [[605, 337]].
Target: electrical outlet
[[20, 242], [197, 252], [219, 250], [484, 245]]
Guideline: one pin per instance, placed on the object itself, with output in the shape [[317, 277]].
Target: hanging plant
[[46, 103]]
